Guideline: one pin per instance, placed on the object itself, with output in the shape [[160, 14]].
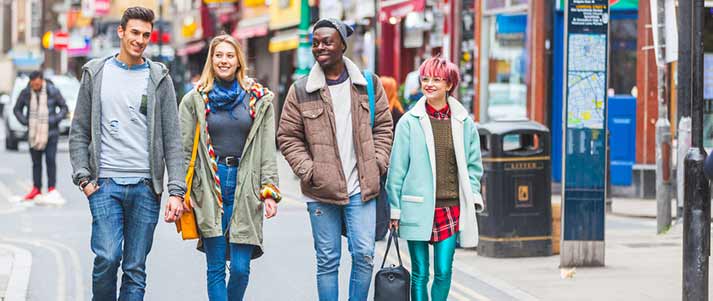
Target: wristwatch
[[83, 184]]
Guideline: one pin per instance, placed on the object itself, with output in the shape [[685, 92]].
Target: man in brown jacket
[[326, 135]]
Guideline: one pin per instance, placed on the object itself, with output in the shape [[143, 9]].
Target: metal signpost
[[697, 195], [584, 143]]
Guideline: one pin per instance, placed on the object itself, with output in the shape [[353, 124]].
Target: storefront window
[[622, 56], [503, 66], [491, 5]]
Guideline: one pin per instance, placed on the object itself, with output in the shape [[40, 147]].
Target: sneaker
[[32, 195], [51, 198]]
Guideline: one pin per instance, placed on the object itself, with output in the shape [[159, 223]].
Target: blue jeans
[[326, 220], [216, 248], [122, 213]]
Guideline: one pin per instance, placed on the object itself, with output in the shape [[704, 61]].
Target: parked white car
[[15, 131]]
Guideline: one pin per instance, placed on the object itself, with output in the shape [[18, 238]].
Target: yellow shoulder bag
[[187, 225]]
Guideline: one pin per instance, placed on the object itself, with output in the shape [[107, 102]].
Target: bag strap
[[192, 167], [370, 90], [393, 236]]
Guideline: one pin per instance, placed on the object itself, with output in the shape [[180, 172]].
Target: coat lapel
[[257, 123], [468, 223], [419, 110]]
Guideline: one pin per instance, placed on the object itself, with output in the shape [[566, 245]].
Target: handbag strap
[[192, 167], [370, 91], [393, 236]]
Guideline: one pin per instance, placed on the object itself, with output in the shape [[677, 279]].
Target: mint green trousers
[[443, 252]]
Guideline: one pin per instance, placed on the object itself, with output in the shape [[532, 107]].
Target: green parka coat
[[257, 168]]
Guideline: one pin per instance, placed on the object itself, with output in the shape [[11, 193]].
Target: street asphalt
[[58, 239]]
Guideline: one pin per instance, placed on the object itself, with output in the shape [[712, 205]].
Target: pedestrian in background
[[392, 93], [326, 135], [434, 179], [412, 86], [124, 134], [41, 107], [235, 121]]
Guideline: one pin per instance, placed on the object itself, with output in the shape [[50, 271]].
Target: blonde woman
[[235, 172]]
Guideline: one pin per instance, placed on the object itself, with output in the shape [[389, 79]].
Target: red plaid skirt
[[445, 223]]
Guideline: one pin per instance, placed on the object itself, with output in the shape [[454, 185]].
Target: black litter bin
[[516, 220]]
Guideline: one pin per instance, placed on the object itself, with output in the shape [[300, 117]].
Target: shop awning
[[284, 40], [191, 48], [252, 27], [399, 8]]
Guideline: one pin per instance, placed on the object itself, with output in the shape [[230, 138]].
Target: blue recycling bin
[[622, 138]]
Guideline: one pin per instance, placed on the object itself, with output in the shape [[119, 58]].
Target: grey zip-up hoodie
[[165, 150]]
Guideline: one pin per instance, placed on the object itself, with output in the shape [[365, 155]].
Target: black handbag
[[392, 283]]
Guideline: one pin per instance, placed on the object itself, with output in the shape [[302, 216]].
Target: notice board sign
[[584, 133]]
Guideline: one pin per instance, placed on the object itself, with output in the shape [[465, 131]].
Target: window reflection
[[622, 57], [506, 92]]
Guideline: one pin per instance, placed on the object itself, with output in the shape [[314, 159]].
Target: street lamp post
[[663, 126], [684, 102], [697, 206], [304, 54]]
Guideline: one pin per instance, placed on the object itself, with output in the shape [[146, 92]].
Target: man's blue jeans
[[124, 217], [326, 220], [216, 248]]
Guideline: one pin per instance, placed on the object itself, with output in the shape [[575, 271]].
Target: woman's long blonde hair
[[392, 93], [208, 75]]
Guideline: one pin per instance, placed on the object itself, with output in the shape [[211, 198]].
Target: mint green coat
[[411, 184]]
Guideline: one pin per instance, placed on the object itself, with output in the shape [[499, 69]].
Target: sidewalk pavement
[[640, 208], [640, 265], [15, 266]]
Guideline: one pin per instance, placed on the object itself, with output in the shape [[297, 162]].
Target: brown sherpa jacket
[[306, 136]]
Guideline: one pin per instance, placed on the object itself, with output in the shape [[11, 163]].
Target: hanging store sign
[[102, 7], [585, 139], [613, 4], [61, 40], [284, 14], [284, 40], [399, 8]]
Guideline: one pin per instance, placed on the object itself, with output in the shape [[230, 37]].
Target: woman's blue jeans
[[216, 248]]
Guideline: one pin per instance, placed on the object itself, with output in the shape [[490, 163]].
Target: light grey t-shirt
[[342, 101], [124, 127]]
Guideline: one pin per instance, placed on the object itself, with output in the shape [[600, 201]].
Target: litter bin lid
[[504, 127]]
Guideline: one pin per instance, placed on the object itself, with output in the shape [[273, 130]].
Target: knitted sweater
[[446, 165]]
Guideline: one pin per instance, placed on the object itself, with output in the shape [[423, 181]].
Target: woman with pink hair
[[433, 182]]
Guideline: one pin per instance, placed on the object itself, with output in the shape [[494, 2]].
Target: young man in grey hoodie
[[125, 132]]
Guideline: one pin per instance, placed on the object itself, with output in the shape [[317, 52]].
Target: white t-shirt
[[342, 102]]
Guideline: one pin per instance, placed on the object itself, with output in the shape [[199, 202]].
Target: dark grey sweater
[[227, 133]]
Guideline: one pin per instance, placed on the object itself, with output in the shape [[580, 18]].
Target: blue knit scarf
[[225, 96]]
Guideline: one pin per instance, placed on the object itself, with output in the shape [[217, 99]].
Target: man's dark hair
[[139, 13], [36, 74]]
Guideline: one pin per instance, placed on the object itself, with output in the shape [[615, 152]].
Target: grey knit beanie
[[344, 30]]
